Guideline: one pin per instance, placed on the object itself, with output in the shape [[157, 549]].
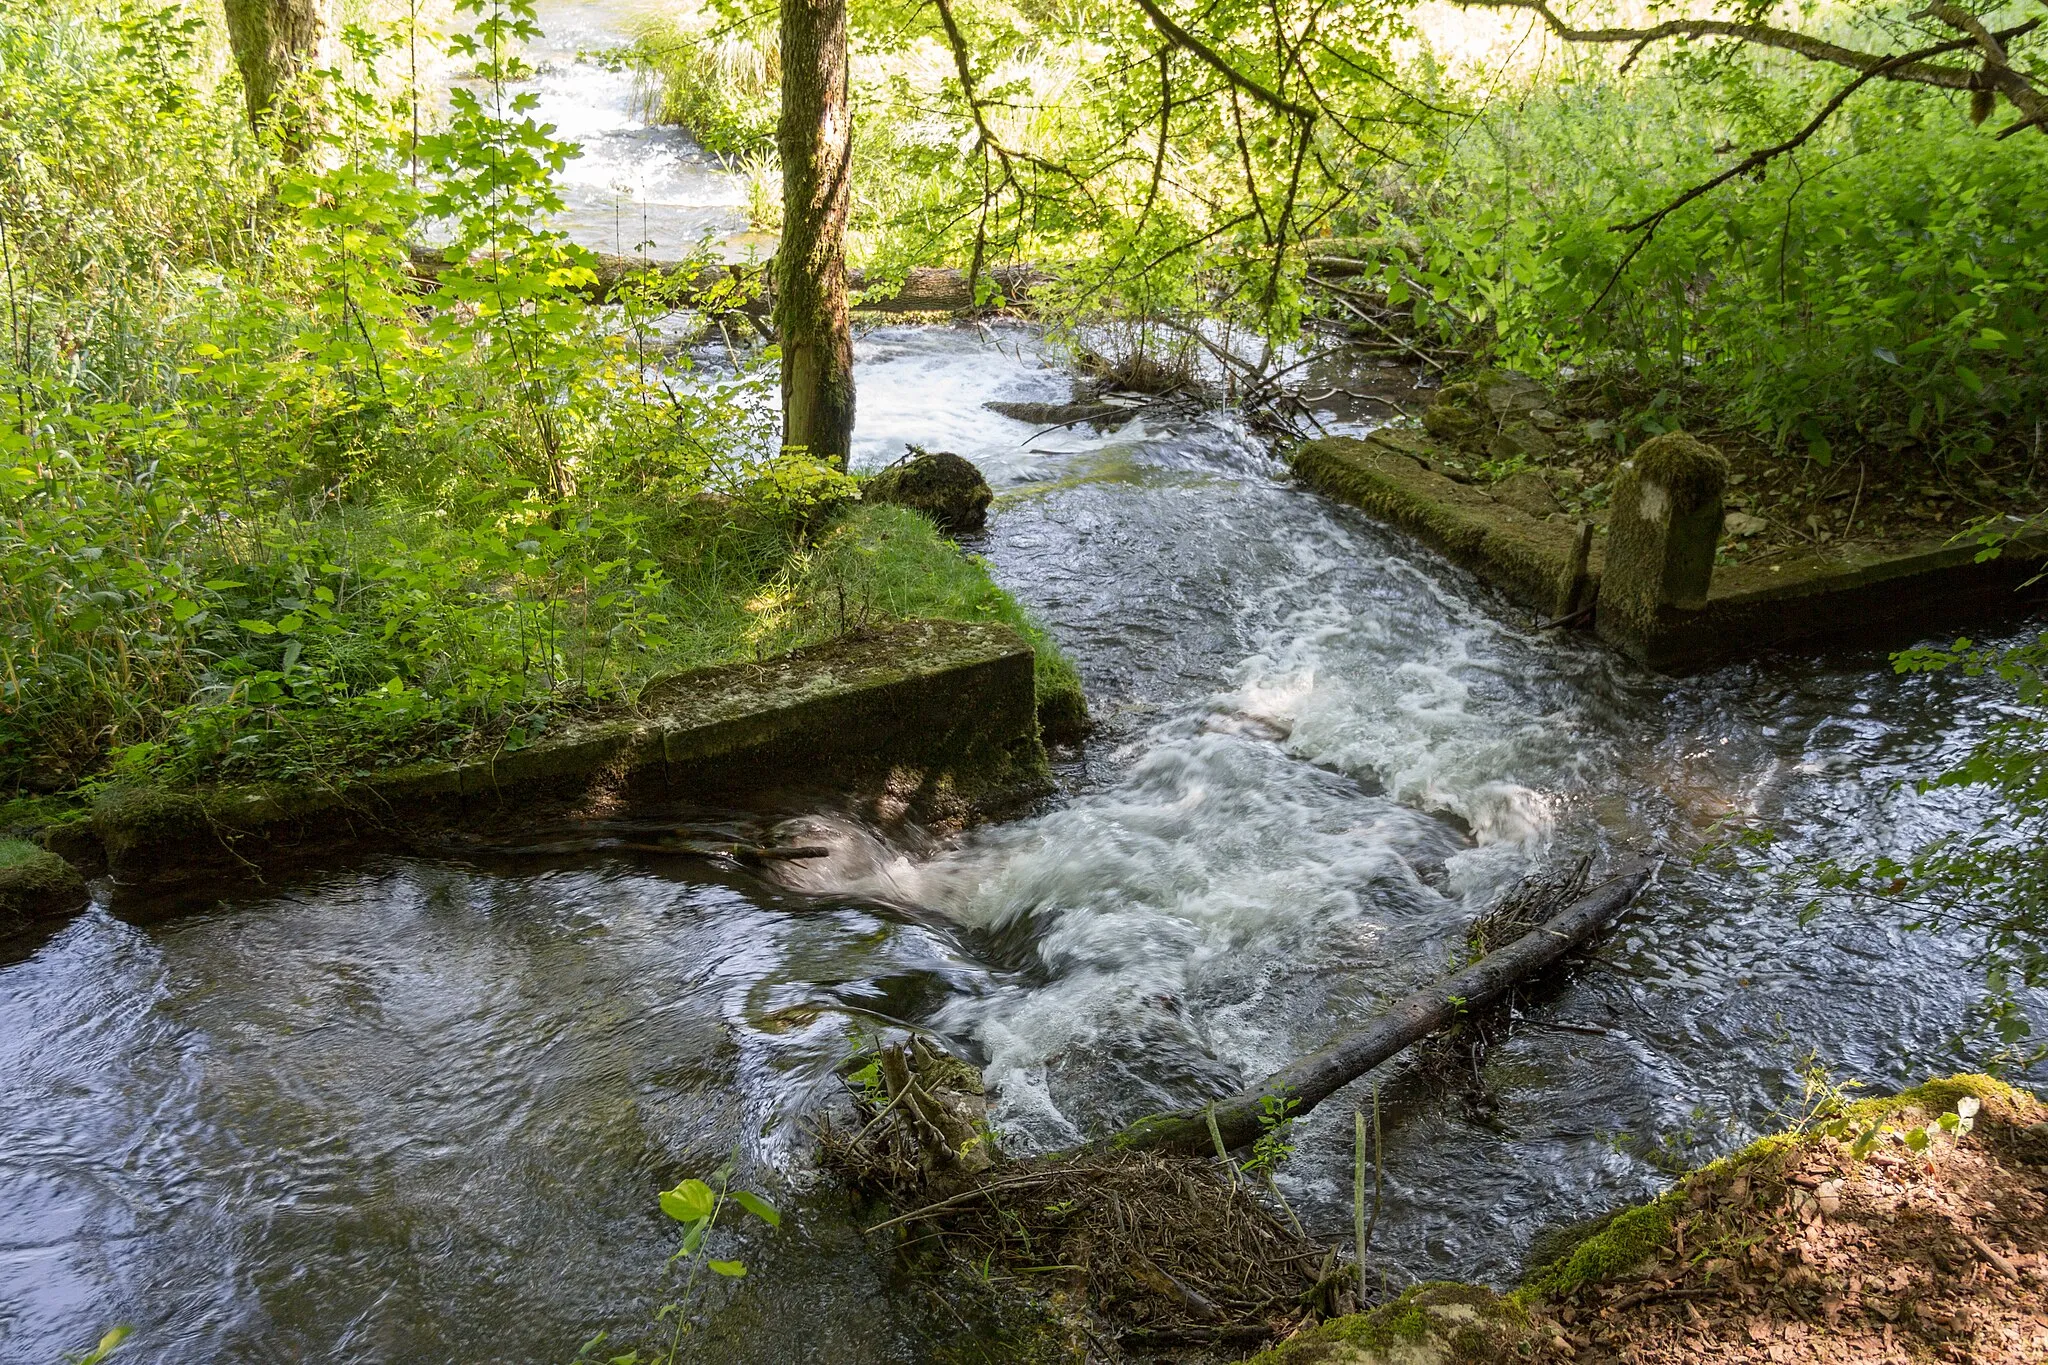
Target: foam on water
[[1256, 833]]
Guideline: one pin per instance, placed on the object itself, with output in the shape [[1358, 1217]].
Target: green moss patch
[[1630, 1238], [1434, 1322]]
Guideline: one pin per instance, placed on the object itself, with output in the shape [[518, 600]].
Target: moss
[[36, 884], [1664, 524], [1688, 469], [1631, 1237], [1438, 1321], [1939, 1096]]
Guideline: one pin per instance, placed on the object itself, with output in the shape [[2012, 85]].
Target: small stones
[[1528, 492]]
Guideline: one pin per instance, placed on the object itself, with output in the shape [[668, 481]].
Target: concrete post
[[1664, 523]]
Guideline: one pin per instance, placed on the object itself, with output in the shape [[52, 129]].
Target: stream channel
[[418, 1109]]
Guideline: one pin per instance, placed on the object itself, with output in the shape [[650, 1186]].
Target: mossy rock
[[1451, 415], [944, 486], [1429, 1324], [1506, 393], [130, 819], [36, 884]]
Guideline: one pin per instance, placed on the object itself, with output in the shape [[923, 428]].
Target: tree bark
[[1317, 1076], [274, 41], [815, 138]]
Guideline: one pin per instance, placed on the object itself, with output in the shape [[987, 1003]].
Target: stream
[[419, 1109]]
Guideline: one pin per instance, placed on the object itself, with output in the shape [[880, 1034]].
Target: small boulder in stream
[[36, 884], [944, 486]]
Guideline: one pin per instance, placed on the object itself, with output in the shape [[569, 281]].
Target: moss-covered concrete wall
[[935, 719], [1545, 564], [1542, 564]]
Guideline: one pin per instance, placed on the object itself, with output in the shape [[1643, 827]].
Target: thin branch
[[1180, 37]]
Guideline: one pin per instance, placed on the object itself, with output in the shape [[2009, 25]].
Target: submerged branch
[[1315, 1078]]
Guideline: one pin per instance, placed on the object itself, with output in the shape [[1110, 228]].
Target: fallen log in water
[[1316, 1077], [744, 285]]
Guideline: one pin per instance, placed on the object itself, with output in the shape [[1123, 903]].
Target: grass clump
[[16, 852]]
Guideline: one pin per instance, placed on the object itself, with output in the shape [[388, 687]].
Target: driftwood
[[743, 285], [1314, 1078]]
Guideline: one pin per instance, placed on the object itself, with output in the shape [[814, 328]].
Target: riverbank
[[1912, 1227], [864, 568]]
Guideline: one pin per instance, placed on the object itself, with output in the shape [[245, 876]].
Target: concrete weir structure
[[928, 719], [1651, 581]]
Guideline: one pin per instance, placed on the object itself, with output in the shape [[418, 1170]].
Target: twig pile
[[1158, 1246], [1455, 1058]]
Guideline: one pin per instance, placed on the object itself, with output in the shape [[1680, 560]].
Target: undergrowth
[[273, 504]]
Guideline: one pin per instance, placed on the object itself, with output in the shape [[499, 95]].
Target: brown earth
[[1936, 1255], [1925, 1246]]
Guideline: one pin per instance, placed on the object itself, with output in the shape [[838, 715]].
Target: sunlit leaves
[[688, 1202]]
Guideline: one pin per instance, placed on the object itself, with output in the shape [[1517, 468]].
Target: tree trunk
[[815, 138], [274, 41], [1317, 1076]]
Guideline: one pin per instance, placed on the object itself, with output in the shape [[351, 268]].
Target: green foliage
[[15, 852], [273, 505], [1276, 1127], [719, 77], [1872, 292], [107, 1345], [1059, 157]]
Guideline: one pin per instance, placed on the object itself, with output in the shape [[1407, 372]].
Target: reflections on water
[[418, 1109]]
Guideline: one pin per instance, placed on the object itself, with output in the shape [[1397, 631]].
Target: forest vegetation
[[276, 502], [271, 505]]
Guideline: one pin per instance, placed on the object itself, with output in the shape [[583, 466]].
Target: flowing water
[[417, 1109]]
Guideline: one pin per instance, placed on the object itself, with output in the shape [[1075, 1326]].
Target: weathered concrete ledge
[[1551, 566], [935, 719], [1874, 596], [1659, 597]]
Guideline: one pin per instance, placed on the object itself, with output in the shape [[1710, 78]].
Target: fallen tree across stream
[[1157, 1243], [1316, 1077]]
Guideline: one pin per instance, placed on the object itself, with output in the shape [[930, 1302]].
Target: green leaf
[[732, 1270], [759, 1207], [107, 1345], [1917, 1139], [255, 627], [1971, 379], [688, 1202]]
